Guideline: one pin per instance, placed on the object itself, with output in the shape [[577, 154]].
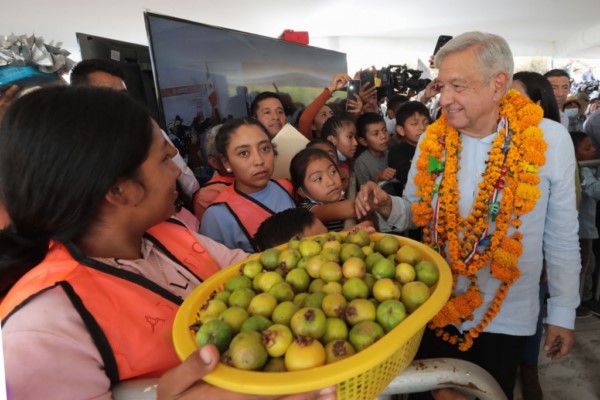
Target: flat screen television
[[134, 60], [202, 70]]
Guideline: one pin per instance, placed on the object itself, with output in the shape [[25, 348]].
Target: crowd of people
[[95, 254]]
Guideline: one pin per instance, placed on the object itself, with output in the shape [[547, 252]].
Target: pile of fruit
[[316, 302]]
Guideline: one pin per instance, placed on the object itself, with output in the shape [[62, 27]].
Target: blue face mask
[[341, 157], [571, 112]]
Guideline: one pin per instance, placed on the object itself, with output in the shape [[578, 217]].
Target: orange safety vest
[[224, 180], [248, 212], [128, 316], [208, 192]]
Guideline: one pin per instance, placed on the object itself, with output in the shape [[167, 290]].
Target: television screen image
[[134, 60], [203, 72]]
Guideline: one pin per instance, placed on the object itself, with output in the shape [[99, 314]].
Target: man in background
[[561, 85], [268, 109]]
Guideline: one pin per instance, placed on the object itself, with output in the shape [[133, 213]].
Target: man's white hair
[[492, 51]]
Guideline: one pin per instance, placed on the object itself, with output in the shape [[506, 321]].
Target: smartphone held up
[[353, 89], [442, 40]]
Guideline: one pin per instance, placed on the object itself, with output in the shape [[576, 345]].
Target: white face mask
[[571, 112]]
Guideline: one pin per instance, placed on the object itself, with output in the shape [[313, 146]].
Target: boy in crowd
[[412, 118], [390, 112], [372, 164]]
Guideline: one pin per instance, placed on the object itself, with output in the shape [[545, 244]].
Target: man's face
[[469, 98], [270, 113], [561, 87], [104, 79]]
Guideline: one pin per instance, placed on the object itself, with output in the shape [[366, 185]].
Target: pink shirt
[[48, 351]]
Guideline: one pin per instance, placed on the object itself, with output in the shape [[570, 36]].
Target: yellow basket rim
[[258, 382]]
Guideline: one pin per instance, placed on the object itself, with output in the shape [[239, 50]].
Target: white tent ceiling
[[553, 28]]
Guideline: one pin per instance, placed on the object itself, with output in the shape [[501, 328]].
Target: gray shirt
[[367, 166]]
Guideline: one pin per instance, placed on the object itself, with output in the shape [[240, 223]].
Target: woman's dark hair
[[61, 149], [334, 123], [230, 127], [300, 161], [282, 226], [538, 88]]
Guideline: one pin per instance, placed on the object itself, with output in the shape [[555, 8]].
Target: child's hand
[[386, 175], [372, 198], [431, 90], [338, 82], [367, 90], [354, 106]]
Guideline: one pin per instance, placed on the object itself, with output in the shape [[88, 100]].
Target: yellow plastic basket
[[363, 376]]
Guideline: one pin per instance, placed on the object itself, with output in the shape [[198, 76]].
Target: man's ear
[[500, 81], [362, 141], [125, 192]]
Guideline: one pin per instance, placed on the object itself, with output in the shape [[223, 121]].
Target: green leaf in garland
[[434, 164]]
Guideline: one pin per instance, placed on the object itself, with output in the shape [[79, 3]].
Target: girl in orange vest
[[236, 213], [88, 185]]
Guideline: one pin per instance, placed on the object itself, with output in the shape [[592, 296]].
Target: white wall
[[364, 52]]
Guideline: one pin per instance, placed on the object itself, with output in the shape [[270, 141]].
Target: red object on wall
[[296, 37]]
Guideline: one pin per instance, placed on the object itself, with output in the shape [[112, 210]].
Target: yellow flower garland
[[512, 170]]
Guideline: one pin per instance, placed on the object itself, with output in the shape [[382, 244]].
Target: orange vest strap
[[224, 180], [287, 185], [189, 252], [248, 212]]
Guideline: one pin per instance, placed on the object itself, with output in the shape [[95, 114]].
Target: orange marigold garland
[[508, 189]]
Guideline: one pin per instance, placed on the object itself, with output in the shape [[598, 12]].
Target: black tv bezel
[[150, 95], [148, 14]]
